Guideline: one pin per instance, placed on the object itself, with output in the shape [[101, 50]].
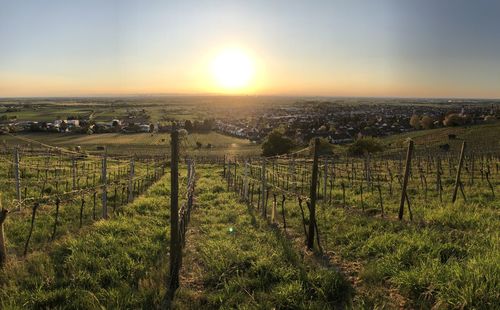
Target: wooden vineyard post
[[224, 165], [130, 180], [94, 196], [325, 178], [235, 167], [228, 172], [73, 171], [33, 215], [312, 209], [457, 178], [273, 211], [3, 251], [175, 245], [258, 198], [104, 189], [264, 186], [405, 180], [245, 182], [283, 211], [361, 195], [56, 219], [251, 194], [81, 210], [17, 176], [439, 187]]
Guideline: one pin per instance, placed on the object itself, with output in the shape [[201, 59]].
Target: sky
[[393, 48]]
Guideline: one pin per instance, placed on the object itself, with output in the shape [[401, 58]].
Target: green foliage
[[455, 119], [276, 144], [364, 146], [427, 122], [415, 121], [325, 147]]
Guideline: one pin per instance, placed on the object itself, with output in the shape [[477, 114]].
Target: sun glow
[[233, 70]]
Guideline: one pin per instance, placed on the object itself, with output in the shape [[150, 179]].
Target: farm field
[[139, 143]]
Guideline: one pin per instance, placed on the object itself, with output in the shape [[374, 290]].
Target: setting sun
[[233, 70]]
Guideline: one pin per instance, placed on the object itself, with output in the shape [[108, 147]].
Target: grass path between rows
[[120, 263], [235, 259]]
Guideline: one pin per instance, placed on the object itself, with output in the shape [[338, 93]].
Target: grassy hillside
[[117, 264], [235, 259], [477, 136], [447, 257]]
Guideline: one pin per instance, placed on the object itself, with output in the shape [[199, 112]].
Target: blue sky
[[424, 48]]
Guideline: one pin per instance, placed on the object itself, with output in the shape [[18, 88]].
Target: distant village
[[339, 123], [342, 124], [136, 121]]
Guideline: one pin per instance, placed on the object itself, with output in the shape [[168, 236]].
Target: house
[[144, 128], [73, 123]]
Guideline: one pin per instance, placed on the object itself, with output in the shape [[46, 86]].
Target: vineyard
[[420, 224], [407, 228], [57, 191]]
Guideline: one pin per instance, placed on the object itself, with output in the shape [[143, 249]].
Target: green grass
[[117, 264], [245, 263], [121, 263], [446, 258], [18, 222]]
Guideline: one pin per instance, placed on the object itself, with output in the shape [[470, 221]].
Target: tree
[[365, 146], [454, 119], [415, 121], [427, 122], [208, 124], [324, 148], [197, 125], [188, 125], [276, 144]]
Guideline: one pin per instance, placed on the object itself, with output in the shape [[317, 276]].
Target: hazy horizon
[[386, 49], [196, 95]]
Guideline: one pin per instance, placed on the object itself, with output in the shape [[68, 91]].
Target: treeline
[[448, 120], [199, 126], [279, 143]]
